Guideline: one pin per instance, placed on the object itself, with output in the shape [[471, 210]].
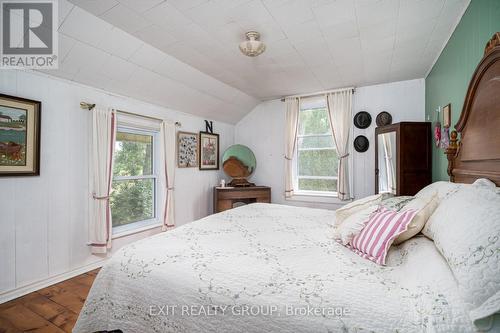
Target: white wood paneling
[[8, 82], [56, 145], [44, 220], [7, 237], [31, 229], [405, 101], [30, 203]]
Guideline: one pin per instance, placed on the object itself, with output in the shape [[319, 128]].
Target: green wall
[[449, 78]]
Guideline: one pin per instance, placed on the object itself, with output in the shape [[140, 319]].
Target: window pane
[[133, 154], [316, 142], [329, 185], [314, 121], [132, 201], [318, 162], [316, 154]]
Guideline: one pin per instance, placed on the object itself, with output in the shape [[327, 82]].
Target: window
[[133, 200], [316, 156]]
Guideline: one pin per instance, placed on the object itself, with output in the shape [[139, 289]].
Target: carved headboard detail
[[477, 153]]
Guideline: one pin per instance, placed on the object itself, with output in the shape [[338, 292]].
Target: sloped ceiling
[[184, 54], [94, 52]]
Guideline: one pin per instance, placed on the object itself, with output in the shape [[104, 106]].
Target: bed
[[264, 257], [273, 268]]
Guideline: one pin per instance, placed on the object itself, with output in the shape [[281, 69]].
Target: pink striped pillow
[[375, 239]]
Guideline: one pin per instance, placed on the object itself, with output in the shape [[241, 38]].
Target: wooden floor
[[52, 309]]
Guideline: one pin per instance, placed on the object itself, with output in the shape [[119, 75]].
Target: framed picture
[[187, 149], [209, 151], [447, 116], [19, 136]]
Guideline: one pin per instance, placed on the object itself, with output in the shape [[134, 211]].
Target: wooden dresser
[[225, 198]]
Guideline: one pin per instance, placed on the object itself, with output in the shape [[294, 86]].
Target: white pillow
[[466, 230], [425, 207], [353, 224], [483, 182], [396, 204], [343, 213], [443, 189]]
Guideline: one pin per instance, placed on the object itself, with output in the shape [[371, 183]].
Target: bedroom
[[249, 166]]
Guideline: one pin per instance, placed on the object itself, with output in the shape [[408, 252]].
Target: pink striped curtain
[[101, 169]]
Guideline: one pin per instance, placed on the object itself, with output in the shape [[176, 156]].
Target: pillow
[[424, 206], [443, 189], [360, 212], [483, 182], [466, 230], [353, 225], [396, 203], [342, 213], [383, 226]]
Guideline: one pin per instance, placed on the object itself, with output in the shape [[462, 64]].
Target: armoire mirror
[[387, 162], [238, 162]]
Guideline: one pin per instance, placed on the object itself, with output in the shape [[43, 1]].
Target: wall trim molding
[[447, 39], [24, 290]]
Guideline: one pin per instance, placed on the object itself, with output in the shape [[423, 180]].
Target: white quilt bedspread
[[270, 268]]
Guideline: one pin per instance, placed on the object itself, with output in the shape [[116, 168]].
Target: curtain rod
[[89, 106], [320, 93]]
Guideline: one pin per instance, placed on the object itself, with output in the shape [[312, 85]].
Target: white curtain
[[167, 155], [101, 169], [340, 114], [291, 123]]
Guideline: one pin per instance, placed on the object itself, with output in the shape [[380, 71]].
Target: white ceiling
[[184, 53], [96, 53]]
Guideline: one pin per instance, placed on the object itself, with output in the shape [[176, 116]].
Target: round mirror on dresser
[[239, 163]]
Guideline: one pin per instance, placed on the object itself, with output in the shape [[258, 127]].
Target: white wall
[[44, 220], [405, 101], [263, 131]]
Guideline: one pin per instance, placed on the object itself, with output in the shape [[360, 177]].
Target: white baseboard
[[21, 291]]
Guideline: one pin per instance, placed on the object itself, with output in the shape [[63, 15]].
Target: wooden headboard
[[477, 153]]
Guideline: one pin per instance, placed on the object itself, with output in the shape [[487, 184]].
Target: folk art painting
[[209, 151], [19, 136]]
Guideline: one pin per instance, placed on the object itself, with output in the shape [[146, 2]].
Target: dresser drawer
[[225, 198]]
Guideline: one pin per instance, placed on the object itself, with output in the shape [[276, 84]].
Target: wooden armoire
[[403, 157]]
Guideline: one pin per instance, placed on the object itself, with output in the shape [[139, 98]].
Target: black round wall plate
[[361, 144], [362, 120], [383, 118]]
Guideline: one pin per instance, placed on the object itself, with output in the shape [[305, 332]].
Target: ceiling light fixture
[[252, 47]]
